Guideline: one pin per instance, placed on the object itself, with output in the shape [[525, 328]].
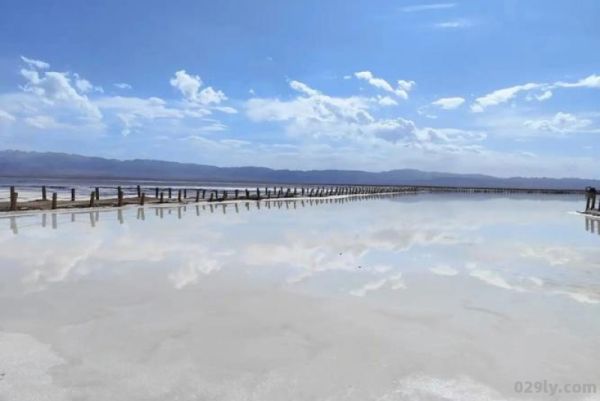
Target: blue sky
[[499, 87]]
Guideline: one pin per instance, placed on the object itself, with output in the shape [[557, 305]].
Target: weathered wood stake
[[54, 198], [44, 197], [72, 194], [142, 199], [92, 197], [13, 199]]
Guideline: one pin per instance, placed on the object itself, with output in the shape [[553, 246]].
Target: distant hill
[[61, 165]]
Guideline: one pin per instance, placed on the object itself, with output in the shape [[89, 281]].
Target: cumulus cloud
[[315, 114], [57, 88], [402, 89], [560, 123], [133, 111], [86, 86], [189, 86], [449, 103]]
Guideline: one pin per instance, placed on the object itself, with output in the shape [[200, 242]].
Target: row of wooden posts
[[201, 194]]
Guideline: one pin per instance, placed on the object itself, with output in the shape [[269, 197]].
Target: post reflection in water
[[592, 225], [290, 204]]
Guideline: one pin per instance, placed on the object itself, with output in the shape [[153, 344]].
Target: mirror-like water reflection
[[426, 297]]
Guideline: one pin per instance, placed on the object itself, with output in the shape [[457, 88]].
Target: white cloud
[[42, 122], [457, 24], [428, 7], [544, 91], [6, 116], [401, 91], [386, 101], [56, 88], [133, 111], [122, 85], [189, 86], [501, 96], [405, 85], [86, 86], [40, 65], [209, 96], [592, 81], [544, 96], [315, 114], [448, 103], [560, 123]]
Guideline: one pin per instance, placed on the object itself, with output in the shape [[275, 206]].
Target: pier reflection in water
[[426, 296], [160, 210]]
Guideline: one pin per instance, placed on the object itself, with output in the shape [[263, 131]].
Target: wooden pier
[[140, 195]]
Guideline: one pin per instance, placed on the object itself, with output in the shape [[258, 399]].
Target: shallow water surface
[[425, 297]]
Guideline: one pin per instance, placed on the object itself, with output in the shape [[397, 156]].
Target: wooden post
[[156, 192], [211, 196], [97, 193], [92, 197], [197, 195], [142, 199], [72, 194], [185, 193], [44, 193], [179, 195], [236, 193], [203, 193], [13, 199], [224, 194], [54, 196], [119, 197], [247, 194], [162, 197], [139, 191], [169, 193], [257, 193]]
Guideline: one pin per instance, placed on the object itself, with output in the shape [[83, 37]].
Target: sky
[[500, 87]]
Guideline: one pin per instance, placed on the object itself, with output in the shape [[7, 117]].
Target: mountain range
[[14, 163]]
